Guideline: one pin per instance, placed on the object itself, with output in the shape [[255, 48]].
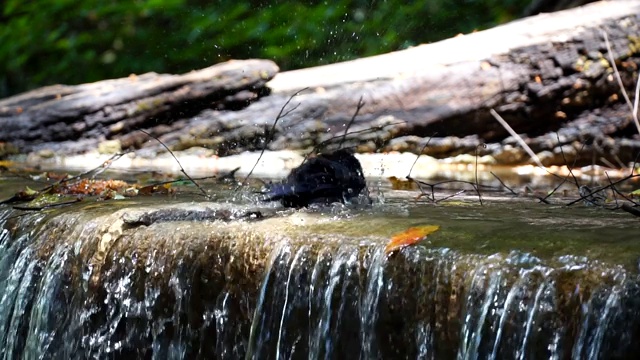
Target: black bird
[[324, 179]]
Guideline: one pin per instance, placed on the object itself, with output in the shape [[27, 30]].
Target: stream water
[[505, 280]]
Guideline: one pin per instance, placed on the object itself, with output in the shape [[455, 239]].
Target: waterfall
[[440, 304], [81, 285]]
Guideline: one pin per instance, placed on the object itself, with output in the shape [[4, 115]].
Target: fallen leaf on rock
[[45, 200], [92, 187], [6, 164], [156, 189], [409, 237], [401, 184]]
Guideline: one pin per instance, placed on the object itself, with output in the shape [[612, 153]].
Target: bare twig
[[181, 179], [89, 174], [475, 186], [204, 193], [353, 118], [268, 136], [453, 195], [414, 164], [47, 206], [524, 145], [433, 186], [533, 193], [503, 184], [607, 162], [635, 105], [564, 179], [633, 108], [612, 60], [564, 158], [615, 190], [371, 129], [550, 193], [610, 186]]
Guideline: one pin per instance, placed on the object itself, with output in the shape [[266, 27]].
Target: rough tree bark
[[549, 76], [73, 118]]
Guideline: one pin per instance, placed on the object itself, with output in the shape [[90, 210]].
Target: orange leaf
[[409, 237], [156, 189]]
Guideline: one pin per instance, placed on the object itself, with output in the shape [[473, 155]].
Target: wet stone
[[170, 279]]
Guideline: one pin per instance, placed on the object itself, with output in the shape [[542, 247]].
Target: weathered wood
[[543, 74], [546, 74], [114, 108]]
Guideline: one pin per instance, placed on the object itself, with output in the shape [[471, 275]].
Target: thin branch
[[607, 162], [178, 162], [476, 186], [267, 139], [353, 118], [564, 179], [610, 186], [633, 108], [420, 154], [616, 191], [615, 198], [181, 179], [564, 158], [517, 137], [89, 174], [635, 105], [47, 206], [433, 186], [550, 193], [371, 129], [503, 184], [408, 177], [533, 194], [453, 195]]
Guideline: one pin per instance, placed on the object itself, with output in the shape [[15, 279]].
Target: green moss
[[634, 44]]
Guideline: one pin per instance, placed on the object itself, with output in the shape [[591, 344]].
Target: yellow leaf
[[6, 164], [400, 184], [29, 191]]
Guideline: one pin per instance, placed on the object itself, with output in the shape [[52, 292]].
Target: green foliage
[[67, 41]]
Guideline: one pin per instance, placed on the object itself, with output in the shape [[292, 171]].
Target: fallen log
[[550, 77], [74, 118]]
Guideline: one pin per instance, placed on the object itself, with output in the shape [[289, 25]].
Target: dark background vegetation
[[70, 42]]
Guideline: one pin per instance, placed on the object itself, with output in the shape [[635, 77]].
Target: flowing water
[[498, 281]]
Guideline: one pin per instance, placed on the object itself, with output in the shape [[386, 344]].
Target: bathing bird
[[323, 179]]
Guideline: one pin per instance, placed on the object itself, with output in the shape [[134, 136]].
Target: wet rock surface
[[180, 280]]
